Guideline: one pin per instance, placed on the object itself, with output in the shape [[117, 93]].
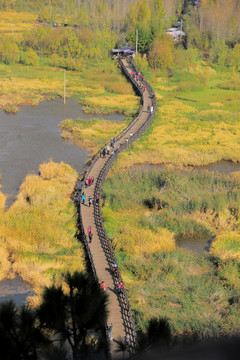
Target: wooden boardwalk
[[98, 250]]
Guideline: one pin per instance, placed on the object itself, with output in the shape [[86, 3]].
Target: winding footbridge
[[101, 255]]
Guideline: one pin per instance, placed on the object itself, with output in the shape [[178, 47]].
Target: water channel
[[28, 139], [31, 137], [198, 242]]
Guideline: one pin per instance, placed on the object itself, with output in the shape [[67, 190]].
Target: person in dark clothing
[[89, 201], [90, 237], [97, 199]]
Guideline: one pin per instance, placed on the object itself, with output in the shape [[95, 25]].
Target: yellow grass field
[[191, 127], [37, 234], [14, 23]]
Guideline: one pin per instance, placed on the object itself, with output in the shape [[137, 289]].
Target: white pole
[[136, 41], [64, 88]]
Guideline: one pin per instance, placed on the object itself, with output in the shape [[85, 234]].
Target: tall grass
[[38, 231], [90, 134], [190, 128], [96, 88], [144, 211]]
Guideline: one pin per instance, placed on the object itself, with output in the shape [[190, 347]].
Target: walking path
[[100, 252]]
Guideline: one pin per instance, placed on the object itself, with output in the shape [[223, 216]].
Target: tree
[[157, 335], [31, 58], [9, 51], [20, 337], [140, 13], [235, 58], [145, 38], [158, 15], [71, 314], [161, 54]]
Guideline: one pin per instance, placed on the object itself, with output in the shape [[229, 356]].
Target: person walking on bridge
[[89, 229], [90, 237], [83, 198], [110, 326], [89, 201], [103, 286]]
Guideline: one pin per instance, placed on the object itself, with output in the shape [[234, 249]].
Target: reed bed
[[144, 212], [38, 231], [90, 134], [197, 122], [96, 90]]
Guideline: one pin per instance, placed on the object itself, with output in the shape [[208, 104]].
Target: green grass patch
[[144, 212]]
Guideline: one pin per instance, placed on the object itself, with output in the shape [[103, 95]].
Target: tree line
[[211, 27]]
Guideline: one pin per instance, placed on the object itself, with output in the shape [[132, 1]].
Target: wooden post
[[64, 88]]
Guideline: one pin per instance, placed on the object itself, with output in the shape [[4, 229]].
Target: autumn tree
[[161, 54], [31, 58], [9, 51], [157, 17], [235, 58]]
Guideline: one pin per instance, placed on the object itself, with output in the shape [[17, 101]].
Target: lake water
[[28, 139], [31, 137], [15, 290]]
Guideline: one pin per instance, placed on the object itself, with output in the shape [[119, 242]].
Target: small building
[[125, 51]]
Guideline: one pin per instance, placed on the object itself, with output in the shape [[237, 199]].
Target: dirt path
[[100, 258]]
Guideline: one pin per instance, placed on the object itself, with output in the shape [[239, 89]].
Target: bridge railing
[[105, 241]]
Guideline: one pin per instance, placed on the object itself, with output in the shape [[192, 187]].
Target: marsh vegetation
[[38, 232], [144, 212]]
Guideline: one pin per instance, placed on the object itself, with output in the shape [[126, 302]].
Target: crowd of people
[[139, 78]]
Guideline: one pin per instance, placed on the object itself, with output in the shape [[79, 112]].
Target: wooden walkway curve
[[100, 253]]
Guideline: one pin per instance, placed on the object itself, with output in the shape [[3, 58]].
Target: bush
[[161, 54], [31, 58], [141, 63]]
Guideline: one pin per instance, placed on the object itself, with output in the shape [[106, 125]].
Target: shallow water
[[198, 243], [31, 137], [15, 290], [222, 167], [201, 242]]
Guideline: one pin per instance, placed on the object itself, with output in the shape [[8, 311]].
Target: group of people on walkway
[[137, 75], [84, 196], [89, 180], [120, 286], [139, 78], [90, 199], [109, 148], [109, 327]]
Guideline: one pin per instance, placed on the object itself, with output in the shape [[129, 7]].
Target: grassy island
[[38, 232]]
